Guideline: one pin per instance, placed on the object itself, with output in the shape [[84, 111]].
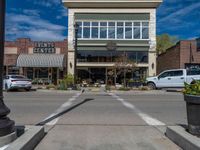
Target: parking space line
[[148, 119]]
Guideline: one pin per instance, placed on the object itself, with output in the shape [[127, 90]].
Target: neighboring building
[[36, 59], [108, 30], [185, 54]]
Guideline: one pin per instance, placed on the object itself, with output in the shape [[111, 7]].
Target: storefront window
[[41, 73], [113, 30], [30, 73], [106, 56], [142, 57], [13, 70]]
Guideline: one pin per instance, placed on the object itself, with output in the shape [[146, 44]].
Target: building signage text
[[44, 47]]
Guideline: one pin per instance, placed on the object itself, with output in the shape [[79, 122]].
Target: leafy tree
[[165, 41]]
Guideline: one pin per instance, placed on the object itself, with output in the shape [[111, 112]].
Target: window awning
[[41, 60]]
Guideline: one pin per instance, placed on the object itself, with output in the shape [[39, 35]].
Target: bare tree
[[123, 64]]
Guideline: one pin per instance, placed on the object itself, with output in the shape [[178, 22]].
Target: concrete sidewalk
[[99, 137]]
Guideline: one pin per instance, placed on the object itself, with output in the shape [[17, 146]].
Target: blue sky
[[47, 19]]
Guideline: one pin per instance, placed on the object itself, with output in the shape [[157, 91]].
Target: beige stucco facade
[[152, 35], [113, 7]]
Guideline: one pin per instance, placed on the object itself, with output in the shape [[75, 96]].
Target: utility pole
[[76, 26], [6, 125]]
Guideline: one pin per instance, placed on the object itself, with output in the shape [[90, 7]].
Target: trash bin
[[193, 113]]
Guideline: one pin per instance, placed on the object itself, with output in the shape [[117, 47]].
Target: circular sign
[[111, 46]]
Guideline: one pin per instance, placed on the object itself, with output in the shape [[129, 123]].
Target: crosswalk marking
[[148, 119]]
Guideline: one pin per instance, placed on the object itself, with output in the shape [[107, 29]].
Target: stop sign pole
[[6, 125]]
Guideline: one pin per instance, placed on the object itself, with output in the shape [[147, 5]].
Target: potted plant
[[192, 98]]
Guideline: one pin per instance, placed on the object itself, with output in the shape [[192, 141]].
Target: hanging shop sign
[[44, 47]]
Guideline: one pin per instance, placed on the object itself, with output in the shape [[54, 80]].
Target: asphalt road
[[108, 121]]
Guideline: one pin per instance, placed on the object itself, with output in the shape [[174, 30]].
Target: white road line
[[60, 109], [4, 147], [148, 119]]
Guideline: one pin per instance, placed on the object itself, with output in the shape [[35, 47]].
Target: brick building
[[185, 54], [36, 59]]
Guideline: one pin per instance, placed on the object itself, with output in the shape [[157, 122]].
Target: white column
[[152, 37], [71, 41]]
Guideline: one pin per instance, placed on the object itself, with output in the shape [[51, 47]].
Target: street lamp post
[[6, 125], [76, 26]]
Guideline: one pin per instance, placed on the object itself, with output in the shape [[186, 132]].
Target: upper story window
[[103, 30], [113, 30], [86, 30]]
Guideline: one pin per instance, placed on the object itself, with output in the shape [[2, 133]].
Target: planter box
[[193, 113], [135, 84]]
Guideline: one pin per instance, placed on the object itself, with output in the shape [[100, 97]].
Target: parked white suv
[[173, 78]]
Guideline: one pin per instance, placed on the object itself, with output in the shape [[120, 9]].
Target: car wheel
[[151, 85], [28, 89], [6, 87]]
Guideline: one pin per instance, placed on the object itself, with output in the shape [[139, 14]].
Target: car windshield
[[18, 77]]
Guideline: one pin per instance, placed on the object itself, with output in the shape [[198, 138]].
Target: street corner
[[28, 140], [180, 136]]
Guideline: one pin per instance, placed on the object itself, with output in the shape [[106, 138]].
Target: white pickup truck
[[173, 78]]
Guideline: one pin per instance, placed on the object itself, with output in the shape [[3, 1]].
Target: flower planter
[[193, 113], [135, 84]]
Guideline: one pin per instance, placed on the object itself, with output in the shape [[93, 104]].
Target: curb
[[29, 140], [182, 138], [174, 90], [57, 91]]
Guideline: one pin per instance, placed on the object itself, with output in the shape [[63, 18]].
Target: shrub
[[192, 89], [124, 89], [144, 88], [50, 86], [108, 88], [66, 82]]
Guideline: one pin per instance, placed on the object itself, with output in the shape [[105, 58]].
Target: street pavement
[[108, 121]]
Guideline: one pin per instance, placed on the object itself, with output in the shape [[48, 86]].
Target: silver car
[[16, 82]]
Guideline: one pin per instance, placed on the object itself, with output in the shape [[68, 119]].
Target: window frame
[[116, 28]]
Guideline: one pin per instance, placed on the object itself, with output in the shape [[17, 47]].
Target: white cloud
[[29, 24], [63, 13], [31, 12], [47, 35], [46, 3], [181, 13]]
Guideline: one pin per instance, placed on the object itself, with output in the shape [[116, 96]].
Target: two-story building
[[108, 30]]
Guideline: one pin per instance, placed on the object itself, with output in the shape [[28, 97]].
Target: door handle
[[182, 77], [169, 78]]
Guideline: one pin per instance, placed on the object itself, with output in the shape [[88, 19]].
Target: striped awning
[[41, 60]]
